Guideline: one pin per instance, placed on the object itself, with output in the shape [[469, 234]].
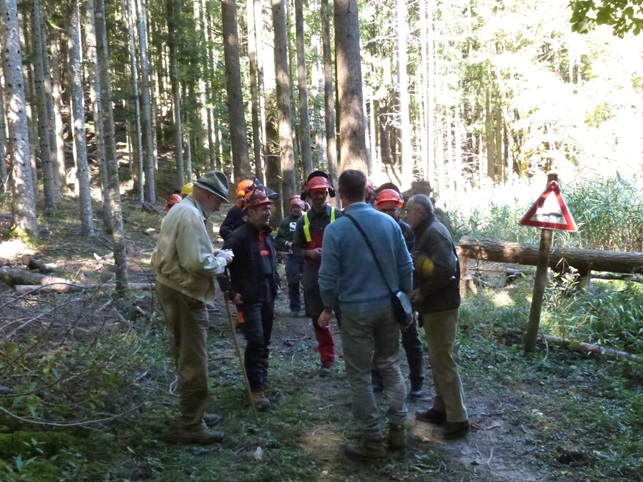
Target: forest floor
[[555, 416]]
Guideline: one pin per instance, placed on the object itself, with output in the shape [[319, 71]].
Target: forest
[[108, 107]]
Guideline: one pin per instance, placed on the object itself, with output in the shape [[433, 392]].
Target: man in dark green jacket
[[294, 264], [436, 295]]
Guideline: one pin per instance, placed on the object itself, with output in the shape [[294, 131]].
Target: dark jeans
[[294, 266], [257, 329]]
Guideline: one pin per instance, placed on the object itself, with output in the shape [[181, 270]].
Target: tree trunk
[[173, 11], [78, 122], [97, 107], [352, 134], [118, 230], [128, 14], [283, 100], [40, 80], [23, 198], [253, 41], [584, 260], [236, 111], [329, 94], [58, 134], [3, 138], [302, 86], [146, 106], [404, 96]]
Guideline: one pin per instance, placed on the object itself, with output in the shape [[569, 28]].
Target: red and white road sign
[[550, 211]]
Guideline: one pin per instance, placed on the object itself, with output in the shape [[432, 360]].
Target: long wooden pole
[[539, 283]]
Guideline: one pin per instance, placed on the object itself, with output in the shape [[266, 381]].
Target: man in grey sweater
[[349, 275]]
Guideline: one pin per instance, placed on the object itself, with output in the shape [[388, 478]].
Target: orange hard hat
[[172, 200], [244, 187], [256, 197], [389, 195]]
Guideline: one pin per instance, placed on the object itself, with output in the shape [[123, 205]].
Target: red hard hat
[[296, 201], [172, 200], [388, 195], [256, 197]]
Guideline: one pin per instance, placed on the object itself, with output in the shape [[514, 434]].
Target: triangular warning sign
[[550, 211]]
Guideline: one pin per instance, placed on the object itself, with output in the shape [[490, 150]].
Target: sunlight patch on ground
[[502, 299], [323, 441], [14, 248]]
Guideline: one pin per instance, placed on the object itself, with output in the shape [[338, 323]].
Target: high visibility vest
[[309, 238]]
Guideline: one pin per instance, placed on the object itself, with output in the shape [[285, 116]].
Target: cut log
[[65, 287], [584, 260], [589, 348], [13, 277], [35, 264]]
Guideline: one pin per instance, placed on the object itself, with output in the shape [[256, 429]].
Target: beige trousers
[[440, 329], [187, 330]]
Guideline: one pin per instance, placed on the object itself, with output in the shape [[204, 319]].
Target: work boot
[[201, 436], [452, 430], [324, 369], [365, 450], [260, 401], [431, 416], [396, 436], [212, 419]]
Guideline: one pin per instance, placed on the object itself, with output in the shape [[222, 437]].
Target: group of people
[[335, 255]]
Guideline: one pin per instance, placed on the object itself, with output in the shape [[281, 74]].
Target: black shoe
[[452, 430], [417, 393], [212, 419], [431, 416]]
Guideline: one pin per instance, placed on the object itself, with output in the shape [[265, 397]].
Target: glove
[[226, 254]]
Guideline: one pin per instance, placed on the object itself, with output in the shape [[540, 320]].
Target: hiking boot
[[416, 393], [365, 450], [452, 430], [202, 436], [212, 419], [431, 416], [396, 437], [260, 401], [324, 369]]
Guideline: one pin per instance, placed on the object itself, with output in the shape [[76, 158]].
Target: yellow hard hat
[[186, 189]]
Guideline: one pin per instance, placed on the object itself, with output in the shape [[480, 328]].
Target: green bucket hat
[[216, 183]]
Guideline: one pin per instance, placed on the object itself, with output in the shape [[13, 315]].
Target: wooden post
[[540, 283]]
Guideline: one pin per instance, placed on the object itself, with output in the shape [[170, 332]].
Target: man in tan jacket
[[186, 265]]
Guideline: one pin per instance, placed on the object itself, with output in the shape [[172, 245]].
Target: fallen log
[[597, 350], [584, 260], [13, 277], [66, 287]]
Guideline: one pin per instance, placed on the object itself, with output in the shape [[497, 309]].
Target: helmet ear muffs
[[303, 195], [331, 191]]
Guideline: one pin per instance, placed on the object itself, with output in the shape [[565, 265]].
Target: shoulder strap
[[370, 246]]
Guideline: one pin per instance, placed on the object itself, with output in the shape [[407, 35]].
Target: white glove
[[226, 254]]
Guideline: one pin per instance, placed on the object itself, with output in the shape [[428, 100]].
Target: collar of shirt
[[204, 215]]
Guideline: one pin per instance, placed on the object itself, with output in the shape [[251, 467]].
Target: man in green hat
[[186, 264]]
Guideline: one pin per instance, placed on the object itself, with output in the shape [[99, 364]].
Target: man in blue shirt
[[349, 276]]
